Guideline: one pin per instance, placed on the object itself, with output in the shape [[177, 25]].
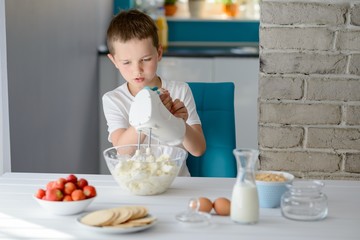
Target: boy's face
[[137, 62]]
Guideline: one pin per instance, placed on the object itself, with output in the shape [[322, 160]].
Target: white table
[[22, 218]]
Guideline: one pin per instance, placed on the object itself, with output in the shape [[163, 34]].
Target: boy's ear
[[160, 52], [112, 59]]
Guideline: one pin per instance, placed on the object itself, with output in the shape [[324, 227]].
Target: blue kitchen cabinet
[[230, 31]]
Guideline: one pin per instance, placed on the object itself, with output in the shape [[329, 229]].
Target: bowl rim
[[290, 177], [146, 145], [67, 202], [64, 208], [143, 145]]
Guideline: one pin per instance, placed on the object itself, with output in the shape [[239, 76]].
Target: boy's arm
[[125, 136], [194, 141]]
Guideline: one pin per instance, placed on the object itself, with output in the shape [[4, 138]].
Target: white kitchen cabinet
[[187, 69], [243, 72]]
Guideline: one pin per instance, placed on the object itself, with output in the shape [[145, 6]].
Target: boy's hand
[[179, 110], [166, 99]]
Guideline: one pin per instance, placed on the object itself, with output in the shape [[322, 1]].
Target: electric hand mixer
[[150, 116]]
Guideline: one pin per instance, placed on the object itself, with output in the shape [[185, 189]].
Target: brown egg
[[205, 204], [222, 206]]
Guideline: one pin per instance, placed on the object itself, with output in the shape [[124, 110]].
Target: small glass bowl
[[304, 201]]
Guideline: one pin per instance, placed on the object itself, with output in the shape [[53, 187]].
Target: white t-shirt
[[116, 105]]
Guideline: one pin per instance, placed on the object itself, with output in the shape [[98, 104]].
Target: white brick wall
[[309, 91]]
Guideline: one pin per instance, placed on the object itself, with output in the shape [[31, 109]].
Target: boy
[[135, 51]]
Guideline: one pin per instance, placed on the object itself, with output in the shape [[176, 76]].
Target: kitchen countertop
[[22, 218], [206, 51]]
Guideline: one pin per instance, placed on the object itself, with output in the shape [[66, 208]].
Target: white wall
[[52, 67], [5, 165]]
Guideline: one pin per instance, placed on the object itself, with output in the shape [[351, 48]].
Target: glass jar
[[304, 201]]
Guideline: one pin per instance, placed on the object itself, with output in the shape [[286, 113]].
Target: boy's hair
[[131, 24]]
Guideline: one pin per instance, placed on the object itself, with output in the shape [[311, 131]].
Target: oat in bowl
[[271, 186], [270, 177]]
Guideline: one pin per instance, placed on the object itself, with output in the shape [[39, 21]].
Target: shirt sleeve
[[115, 112]]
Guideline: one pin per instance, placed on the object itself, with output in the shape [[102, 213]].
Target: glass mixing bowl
[[145, 170]]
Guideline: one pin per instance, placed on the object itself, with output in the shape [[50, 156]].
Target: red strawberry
[[53, 194], [71, 178], [67, 198], [69, 188], [77, 195], [89, 191], [81, 183], [40, 193]]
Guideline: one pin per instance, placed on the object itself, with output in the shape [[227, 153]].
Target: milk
[[245, 204]]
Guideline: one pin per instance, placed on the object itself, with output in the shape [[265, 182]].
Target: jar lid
[[192, 216]]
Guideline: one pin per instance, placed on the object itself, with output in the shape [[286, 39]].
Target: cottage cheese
[[149, 177]]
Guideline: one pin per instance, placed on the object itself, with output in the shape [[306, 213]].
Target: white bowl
[[144, 175], [64, 207], [270, 192]]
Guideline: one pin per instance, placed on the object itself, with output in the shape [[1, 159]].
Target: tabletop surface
[[22, 218]]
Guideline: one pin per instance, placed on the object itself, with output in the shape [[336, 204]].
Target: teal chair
[[215, 106]]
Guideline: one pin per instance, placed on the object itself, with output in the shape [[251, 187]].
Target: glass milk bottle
[[245, 200]]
